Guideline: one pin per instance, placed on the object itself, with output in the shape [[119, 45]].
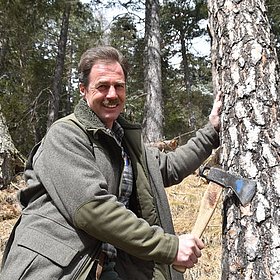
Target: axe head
[[244, 189]]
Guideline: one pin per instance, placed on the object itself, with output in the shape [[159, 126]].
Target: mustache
[[113, 102]]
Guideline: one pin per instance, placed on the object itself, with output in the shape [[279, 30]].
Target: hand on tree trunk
[[214, 116]]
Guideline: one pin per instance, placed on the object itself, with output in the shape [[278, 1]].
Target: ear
[[82, 89]]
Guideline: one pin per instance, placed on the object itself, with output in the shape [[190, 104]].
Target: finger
[[197, 249], [199, 243], [189, 264], [217, 106], [197, 252], [194, 258], [196, 242], [218, 96]]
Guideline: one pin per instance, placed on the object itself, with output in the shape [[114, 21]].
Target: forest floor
[[184, 201]]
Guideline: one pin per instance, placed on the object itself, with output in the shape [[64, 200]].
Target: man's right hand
[[189, 251]]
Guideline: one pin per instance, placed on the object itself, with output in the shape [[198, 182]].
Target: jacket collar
[[86, 116], [132, 132]]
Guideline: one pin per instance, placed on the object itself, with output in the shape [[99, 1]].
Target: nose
[[112, 93]]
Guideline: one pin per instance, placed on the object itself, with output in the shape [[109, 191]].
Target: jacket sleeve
[[67, 168], [176, 165]]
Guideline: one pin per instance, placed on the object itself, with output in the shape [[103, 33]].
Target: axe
[[244, 190]]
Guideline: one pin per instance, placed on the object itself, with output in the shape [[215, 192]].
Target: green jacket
[[71, 205]]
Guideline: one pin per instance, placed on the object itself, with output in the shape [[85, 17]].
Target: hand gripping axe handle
[[244, 189]]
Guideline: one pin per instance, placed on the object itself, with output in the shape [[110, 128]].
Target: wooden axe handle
[[208, 205]]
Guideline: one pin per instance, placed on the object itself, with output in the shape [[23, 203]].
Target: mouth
[[110, 103]]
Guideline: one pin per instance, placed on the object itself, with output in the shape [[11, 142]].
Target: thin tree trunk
[[153, 120], [57, 82], [187, 79], [70, 92], [10, 159], [245, 71]]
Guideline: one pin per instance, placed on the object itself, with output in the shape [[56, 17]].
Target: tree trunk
[[153, 119], [56, 88], [185, 60], [245, 71], [11, 161]]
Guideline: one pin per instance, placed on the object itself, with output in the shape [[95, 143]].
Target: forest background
[[31, 32], [30, 37]]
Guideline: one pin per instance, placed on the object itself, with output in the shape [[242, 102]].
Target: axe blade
[[244, 189]]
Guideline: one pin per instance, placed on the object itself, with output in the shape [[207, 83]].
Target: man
[[95, 206]]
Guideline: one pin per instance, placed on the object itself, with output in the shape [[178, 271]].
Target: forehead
[[107, 69]]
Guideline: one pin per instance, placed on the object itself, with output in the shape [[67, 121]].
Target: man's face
[[105, 93]]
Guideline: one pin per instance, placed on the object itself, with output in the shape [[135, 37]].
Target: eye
[[119, 86], [102, 87]]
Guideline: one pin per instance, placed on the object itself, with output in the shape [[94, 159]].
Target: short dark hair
[[103, 53]]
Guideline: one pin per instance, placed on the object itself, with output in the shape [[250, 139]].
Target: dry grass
[[9, 210], [184, 202]]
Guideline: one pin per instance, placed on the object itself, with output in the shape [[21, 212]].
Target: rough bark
[[53, 109], [245, 71], [153, 120], [11, 161]]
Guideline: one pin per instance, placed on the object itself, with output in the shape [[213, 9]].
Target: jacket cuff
[[213, 134], [173, 249]]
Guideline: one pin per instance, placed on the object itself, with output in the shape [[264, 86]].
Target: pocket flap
[[47, 246]]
